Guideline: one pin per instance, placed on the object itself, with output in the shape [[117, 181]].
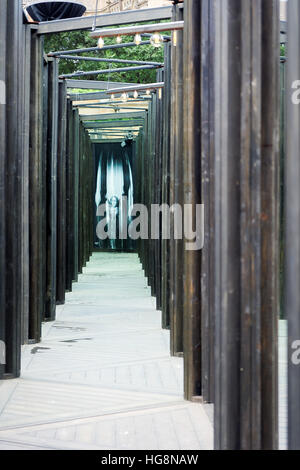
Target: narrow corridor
[[102, 378]]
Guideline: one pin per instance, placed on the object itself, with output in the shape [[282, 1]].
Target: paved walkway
[[283, 411], [102, 378]]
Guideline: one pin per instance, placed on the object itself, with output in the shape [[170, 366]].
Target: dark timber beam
[[192, 195], [11, 157], [246, 303], [110, 71], [208, 199], [111, 19], [3, 130], [176, 180], [61, 195], [118, 116], [292, 224], [109, 61], [96, 49], [131, 30], [51, 233], [112, 124], [36, 300], [95, 85]]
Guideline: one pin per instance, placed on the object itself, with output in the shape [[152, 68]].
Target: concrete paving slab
[[102, 377]]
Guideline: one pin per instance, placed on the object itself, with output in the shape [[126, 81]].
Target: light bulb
[[156, 40], [119, 39], [159, 93], [124, 97], [112, 97], [175, 38], [100, 43], [137, 39], [148, 92], [135, 95]]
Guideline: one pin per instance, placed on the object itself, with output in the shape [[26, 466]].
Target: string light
[[175, 38], [119, 39], [101, 43], [135, 95], [112, 97], [159, 93], [156, 40], [124, 97], [148, 92], [137, 39]]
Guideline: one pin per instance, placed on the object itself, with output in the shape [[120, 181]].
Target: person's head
[[114, 201]]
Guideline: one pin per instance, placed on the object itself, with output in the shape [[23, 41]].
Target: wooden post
[[3, 80], [207, 152], [69, 199], [11, 241], [292, 223], [246, 223], [192, 195], [25, 182], [36, 301], [166, 185], [75, 157], [61, 195], [51, 184], [177, 246], [270, 225]]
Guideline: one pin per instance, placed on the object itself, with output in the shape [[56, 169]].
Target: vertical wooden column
[[36, 300], [25, 180], [3, 99], [76, 191], [246, 223], [166, 184], [11, 176], [270, 225], [227, 223], [51, 184], [292, 223], [158, 191], [61, 195], [172, 156], [207, 154], [81, 209], [192, 195], [69, 198]]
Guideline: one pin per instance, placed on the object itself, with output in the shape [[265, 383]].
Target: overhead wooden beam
[[89, 96], [110, 71], [131, 30], [111, 124], [96, 48], [105, 141], [192, 195], [292, 224], [109, 61], [110, 19], [118, 116], [95, 84]]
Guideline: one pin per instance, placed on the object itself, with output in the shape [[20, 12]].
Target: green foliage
[[82, 39]]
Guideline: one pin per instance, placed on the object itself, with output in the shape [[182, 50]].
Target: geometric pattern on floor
[[102, 377]]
